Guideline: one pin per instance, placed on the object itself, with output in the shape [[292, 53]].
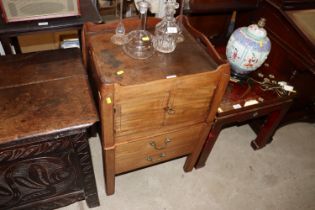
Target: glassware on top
[[119, 38], [139, 42], [180, 36], [167, 31]]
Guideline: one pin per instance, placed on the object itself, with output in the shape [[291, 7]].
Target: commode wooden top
[[110, 60]]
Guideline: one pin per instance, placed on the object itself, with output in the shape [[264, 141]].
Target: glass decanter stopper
[[166, 31], [119, 37], [139, 42]]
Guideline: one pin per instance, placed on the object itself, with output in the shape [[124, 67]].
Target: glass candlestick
[[119, 38], [139, 44]]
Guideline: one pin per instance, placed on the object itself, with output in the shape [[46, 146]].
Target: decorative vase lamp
[[247, 49]]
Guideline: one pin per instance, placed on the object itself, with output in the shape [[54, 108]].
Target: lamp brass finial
[[261, 22]]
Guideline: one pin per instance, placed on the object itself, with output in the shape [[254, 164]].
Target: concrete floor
[[279, 177]]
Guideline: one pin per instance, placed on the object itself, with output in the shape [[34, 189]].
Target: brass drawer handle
[[153, 144], [169, 110], [255, 114], [150, 158]]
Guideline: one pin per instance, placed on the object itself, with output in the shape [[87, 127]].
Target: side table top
[[238, 94], [244, 96], [34, 103]]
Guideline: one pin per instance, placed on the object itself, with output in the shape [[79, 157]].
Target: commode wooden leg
[[193, 157], [107, 136], [187, 165], [209, 143], [109, 171]]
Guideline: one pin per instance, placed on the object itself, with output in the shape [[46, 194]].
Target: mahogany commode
[[156, 109], [46, 110]]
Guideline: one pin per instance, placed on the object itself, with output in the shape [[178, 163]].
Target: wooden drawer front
[[144, 152], [182, 100]]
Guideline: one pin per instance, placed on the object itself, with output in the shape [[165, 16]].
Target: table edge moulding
[[147, 117]]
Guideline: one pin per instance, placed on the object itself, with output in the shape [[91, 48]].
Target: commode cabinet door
[[190, 100], [140, 107], [180, 101]]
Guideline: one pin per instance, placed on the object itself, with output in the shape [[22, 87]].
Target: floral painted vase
[[247, 49]]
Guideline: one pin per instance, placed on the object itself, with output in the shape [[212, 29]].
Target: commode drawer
[[148, 151]]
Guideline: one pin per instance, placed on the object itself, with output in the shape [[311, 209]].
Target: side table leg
[[268, 129], [207, 148]]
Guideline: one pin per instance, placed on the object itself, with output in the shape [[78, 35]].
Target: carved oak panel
[[37, 172]]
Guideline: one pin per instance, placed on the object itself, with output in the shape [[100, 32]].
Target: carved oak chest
[[45, 111]]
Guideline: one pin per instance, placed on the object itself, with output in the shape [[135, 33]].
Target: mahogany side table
[[234, 109]]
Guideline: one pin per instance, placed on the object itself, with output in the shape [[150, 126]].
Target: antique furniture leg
[[81, 146], [109, 160], [193, 157], [107, 136], [207, 148], [269, 127]]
